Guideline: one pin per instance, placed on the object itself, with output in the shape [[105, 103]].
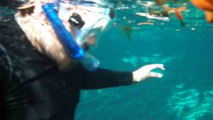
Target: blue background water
[[186, 90]]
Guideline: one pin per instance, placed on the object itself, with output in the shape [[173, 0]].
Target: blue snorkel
[[88, 61]]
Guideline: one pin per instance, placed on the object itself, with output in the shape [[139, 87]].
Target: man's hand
[[146, 72]]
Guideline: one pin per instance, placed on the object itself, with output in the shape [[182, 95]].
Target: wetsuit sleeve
[[4, 75], [102, 78]]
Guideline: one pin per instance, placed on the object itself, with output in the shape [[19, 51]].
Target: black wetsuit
[[32, 87]]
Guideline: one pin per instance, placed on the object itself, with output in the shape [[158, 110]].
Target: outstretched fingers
[[154, 66]]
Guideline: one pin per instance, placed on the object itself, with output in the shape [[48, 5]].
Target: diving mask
[[79, 29]]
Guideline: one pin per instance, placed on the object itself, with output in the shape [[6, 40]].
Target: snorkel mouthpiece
[[64, 36], [87, 60]]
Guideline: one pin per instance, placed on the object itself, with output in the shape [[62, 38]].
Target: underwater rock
[[133, 60], [191, 104], [155, 58]]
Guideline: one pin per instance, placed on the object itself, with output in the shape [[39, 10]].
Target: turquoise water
[[186, 90]]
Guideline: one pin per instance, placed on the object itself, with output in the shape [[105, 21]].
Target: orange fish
[[177, 12], [128, 31], [207, 6], [145, 23]]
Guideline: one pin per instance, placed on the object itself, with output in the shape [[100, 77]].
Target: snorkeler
[[41, 68], [162, 11]]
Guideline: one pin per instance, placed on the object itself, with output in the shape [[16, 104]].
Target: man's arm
[[103, 78]]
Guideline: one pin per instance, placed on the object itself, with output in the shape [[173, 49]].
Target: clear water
[[186, 90]]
